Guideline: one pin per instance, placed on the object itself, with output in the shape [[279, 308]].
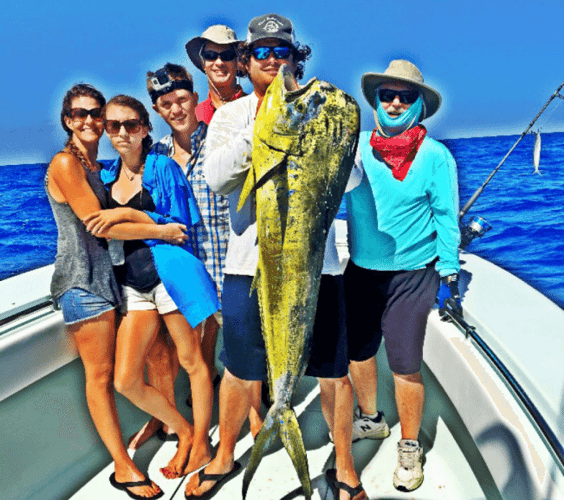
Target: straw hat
[[403, 71], [217, 33]]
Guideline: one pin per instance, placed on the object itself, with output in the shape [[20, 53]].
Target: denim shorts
[[79, 305]]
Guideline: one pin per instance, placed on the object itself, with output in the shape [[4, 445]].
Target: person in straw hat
[[403, 242]]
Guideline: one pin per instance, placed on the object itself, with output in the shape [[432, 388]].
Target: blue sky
[[495, 62]]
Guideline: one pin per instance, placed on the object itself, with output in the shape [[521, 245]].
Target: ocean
[[524, 210]]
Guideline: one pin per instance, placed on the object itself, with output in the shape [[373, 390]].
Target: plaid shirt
[[208, 239]]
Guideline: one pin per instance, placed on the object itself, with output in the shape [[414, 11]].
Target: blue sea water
[[525, 210]]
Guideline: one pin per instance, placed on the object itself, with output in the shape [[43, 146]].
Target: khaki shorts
[[157, 298]]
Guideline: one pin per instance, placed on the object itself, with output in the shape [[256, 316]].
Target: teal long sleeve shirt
[[403, 225]]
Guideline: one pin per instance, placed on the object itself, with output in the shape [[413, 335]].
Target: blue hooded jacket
[[183, 275]]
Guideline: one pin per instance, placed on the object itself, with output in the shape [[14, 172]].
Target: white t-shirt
[[227, 160]]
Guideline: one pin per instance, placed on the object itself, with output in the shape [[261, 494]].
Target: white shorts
[[158, 298]]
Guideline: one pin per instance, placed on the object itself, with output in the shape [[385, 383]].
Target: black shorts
[[244, 353], [390, 304]]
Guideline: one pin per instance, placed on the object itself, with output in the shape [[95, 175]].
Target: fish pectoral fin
[[270, 162], [289, 144], [248, 187]]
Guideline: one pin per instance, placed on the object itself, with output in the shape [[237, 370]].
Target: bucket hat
[[218, 33], [403, 71], [270, 26]]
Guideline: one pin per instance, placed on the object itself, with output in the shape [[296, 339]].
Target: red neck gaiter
[[399, 151]]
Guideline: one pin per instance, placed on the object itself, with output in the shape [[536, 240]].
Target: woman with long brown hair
[[83, 284]]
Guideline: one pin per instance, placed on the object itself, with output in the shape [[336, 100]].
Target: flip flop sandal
[[163, 436], [331, 475], [219, 478], [125, 486]]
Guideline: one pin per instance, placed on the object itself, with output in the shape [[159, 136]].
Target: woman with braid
[[83, 284]]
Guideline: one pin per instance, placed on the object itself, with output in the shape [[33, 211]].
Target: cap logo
[[271, 27], [272, 24]]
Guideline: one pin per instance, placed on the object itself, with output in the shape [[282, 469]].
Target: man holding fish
[[403, 242], [270, 45]]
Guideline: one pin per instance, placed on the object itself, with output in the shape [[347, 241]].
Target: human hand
[[449, 296], [100, 221], [174, 233]]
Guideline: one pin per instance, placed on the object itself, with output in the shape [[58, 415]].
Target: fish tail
[[291, 436], [267, 432], [282, 420]]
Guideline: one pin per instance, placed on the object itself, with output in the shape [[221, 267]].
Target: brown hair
[[300, 54], [80, 89], [137, 106]]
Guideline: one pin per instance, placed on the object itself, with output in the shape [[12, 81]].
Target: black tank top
[[139, 270]]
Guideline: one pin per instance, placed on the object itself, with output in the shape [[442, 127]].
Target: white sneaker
[[409, 473], [367, 428]]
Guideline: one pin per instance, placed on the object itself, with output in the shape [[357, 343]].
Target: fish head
[[290, 105]]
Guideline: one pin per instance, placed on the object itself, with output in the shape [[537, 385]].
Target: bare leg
[[209, 339], [162, 369], [364, 378], [235, 397], [187, 340], [410, 396], [337, 399], [255, 416], [136, 334], [95, 340]]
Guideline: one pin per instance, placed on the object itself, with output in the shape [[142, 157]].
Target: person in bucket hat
[[215, 54], [403, 243]]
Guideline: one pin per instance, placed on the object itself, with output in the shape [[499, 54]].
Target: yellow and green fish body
[[303, 151]]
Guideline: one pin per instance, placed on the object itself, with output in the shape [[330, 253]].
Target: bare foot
[[176, 466], [199, 456], [143, 434], [215, 467], [124, 475]]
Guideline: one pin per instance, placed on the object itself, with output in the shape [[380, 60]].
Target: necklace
[[133, 174]]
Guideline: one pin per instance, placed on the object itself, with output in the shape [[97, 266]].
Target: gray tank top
[[82, 260]]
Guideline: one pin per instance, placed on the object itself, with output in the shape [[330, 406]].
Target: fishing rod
[[478, 227]]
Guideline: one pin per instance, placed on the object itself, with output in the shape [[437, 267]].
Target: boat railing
[[25, 309], [551, 440]]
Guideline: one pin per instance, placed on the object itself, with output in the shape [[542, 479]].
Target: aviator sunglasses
[[82, 114], [114, 126], [263, 53], [405, 96], [212, 55]]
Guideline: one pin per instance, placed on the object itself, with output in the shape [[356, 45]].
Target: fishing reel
[[475, 229]]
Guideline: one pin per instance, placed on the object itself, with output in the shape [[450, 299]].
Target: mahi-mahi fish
[[536, 153], [303, 152]]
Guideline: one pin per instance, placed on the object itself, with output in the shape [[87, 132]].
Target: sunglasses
[[263, 53], [82, 114], [114, 126], [212, 55], [405, 96]]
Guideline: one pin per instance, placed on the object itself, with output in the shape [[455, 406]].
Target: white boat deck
[[448, 474]]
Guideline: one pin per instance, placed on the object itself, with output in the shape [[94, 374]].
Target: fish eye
[[300, 107]]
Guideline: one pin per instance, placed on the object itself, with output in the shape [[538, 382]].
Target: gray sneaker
[[408, 475], [367, 428]]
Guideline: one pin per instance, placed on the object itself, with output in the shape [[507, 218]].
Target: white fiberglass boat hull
[[478, 440]]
